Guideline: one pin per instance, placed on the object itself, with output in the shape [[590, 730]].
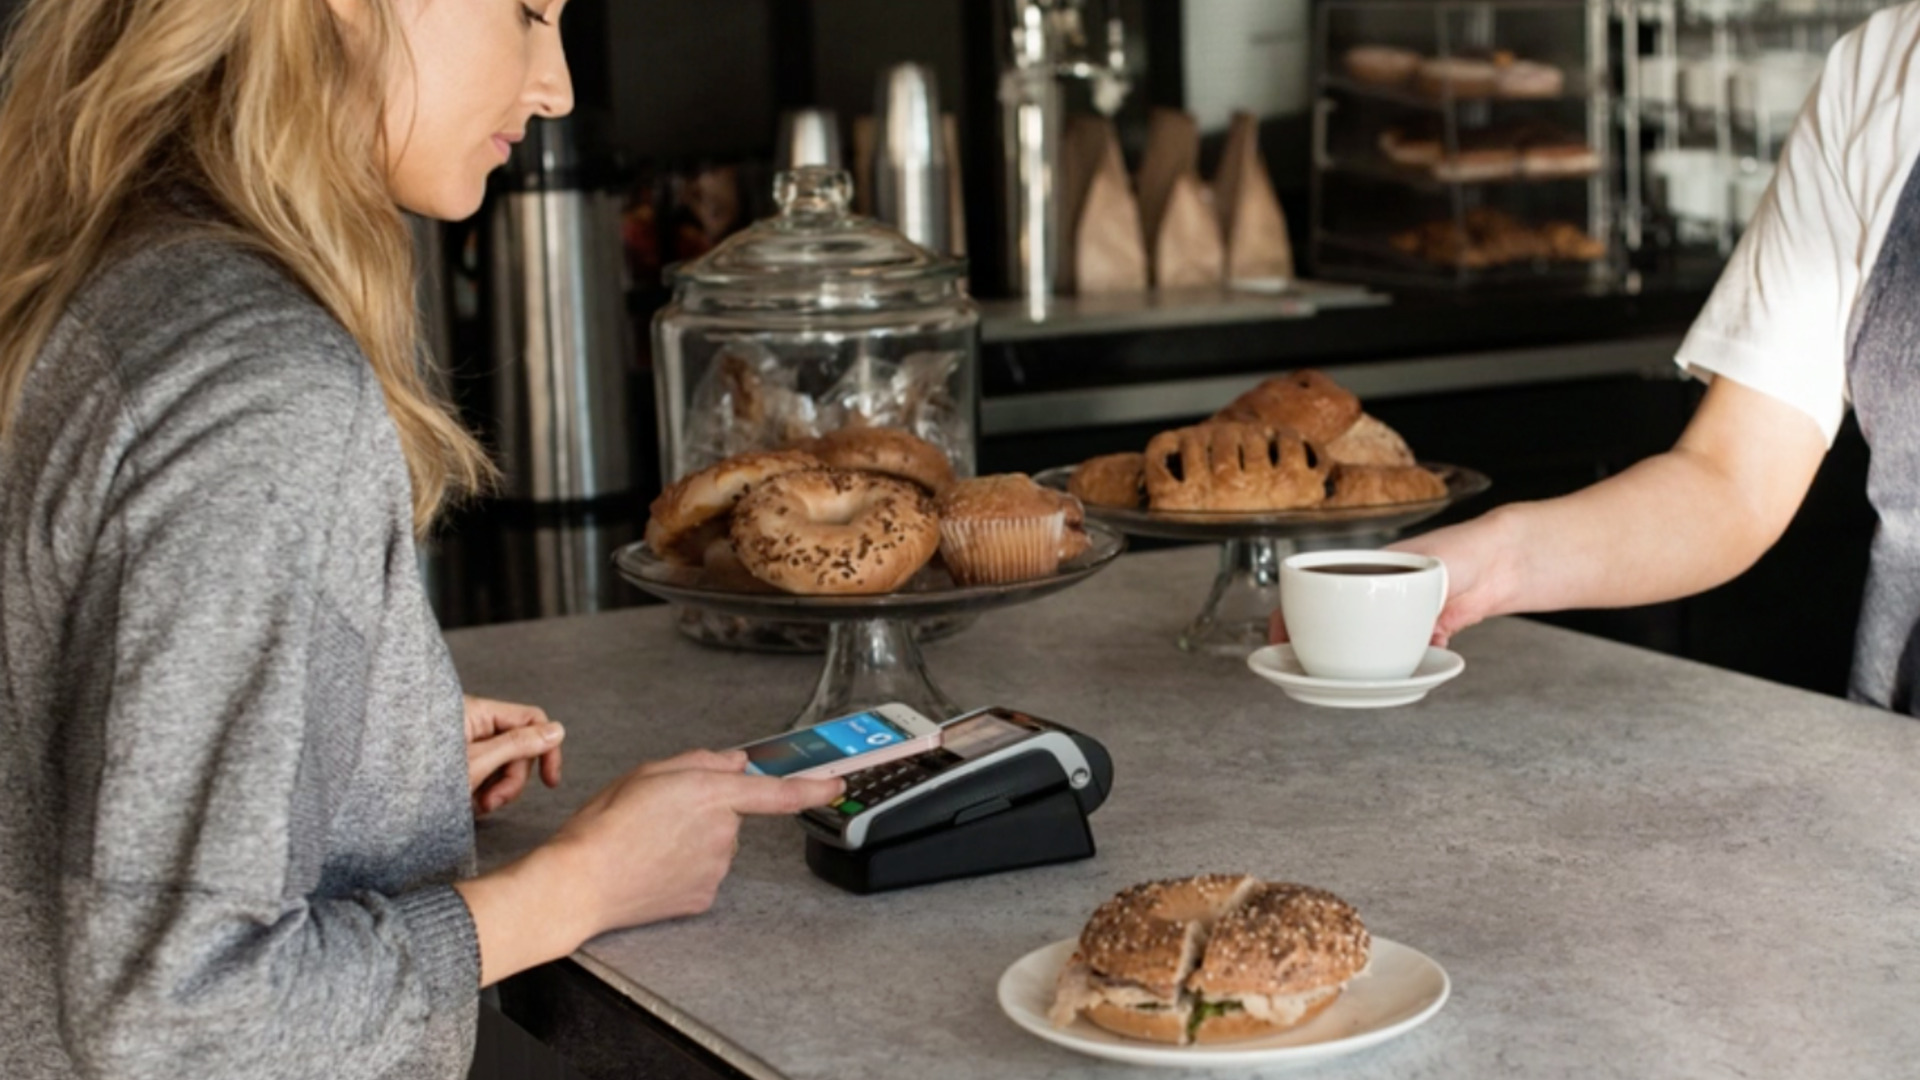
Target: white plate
[[1278, 665], [1400, 989]]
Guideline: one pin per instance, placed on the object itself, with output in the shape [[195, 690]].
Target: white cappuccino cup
[[1361, 614]]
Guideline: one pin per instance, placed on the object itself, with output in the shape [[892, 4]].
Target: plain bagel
[[690, 513], [834, 531]]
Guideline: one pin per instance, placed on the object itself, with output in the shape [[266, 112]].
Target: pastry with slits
[[1230, 466]]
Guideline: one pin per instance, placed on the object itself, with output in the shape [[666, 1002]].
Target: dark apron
[[1883, 373]]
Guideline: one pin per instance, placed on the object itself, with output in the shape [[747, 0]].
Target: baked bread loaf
[[1380, 65], [1413, 147], [1305, 400], [1118, 480], [1380, 485], [1459, 77], [1369, 442], [1005, 527], [691, 512], [886, 450], [821, 532], [1227, 465], [1527, 79], [1211, 958]]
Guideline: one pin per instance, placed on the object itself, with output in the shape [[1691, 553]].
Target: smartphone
[[851, 743]]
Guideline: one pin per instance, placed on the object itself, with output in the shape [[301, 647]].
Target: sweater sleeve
[[197, 925]]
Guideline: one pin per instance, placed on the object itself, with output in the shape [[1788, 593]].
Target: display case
[[1707, 92], [1463, 144]]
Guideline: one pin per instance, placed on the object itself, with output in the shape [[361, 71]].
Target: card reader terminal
[[989, 762]]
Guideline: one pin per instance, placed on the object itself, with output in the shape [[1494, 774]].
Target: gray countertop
[[1629, 865]]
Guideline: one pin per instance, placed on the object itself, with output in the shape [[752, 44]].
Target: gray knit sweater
[[232, 769]]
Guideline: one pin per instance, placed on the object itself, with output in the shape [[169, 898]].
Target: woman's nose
[[551, 85]]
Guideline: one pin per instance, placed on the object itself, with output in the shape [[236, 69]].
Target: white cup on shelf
[[1775, 85], [1691, 183], [1659, 80], [1703, 82]]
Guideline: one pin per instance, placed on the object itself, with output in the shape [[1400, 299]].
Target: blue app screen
[[829, 742]]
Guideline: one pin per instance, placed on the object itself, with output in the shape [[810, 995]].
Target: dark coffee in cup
[[1362, 568]]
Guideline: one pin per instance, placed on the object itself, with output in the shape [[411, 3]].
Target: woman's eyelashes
[[531, 16]]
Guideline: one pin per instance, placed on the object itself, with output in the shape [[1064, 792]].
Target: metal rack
[[1453, 28], [1705, 78]]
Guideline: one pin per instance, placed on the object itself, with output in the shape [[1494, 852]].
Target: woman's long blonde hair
[[261, 107]]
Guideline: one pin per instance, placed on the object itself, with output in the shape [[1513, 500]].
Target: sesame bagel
[[691, 512], [821, 532], [1212, 958], [884, 450]]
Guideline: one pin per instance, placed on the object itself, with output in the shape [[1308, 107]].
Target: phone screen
[[825, 744]]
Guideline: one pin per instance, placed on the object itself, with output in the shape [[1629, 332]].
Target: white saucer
[[1400, 989], [1278, 665]]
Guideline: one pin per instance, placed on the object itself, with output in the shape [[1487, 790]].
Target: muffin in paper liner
[[990, 551]]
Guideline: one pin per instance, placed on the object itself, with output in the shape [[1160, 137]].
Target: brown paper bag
[[1102, 251], [1109, 254], [1249, 211], [1173, 151], [1083, 150], [1188, 251]]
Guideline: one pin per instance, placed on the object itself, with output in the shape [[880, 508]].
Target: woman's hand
[[503, 742], [653, 845], [675, 827]]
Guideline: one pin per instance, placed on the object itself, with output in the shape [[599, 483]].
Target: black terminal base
[[1048, 829]]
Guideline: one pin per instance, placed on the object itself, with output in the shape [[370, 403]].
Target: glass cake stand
[[1246, 590], [872, 657]]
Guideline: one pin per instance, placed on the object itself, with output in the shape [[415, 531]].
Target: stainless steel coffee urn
[[561, 357]]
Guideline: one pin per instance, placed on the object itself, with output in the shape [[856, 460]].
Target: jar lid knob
[[813, 189]]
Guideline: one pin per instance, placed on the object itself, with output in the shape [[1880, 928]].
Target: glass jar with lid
[[807, 322]]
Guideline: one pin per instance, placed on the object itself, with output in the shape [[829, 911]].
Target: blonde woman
[[237, 793]]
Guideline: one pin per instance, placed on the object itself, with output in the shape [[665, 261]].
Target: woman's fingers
[[489, 755], [506, 785], [770, 795]]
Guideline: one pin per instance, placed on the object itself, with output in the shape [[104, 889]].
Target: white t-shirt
[[1779, 317]]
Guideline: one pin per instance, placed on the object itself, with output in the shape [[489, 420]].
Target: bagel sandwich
[[1212, 958]]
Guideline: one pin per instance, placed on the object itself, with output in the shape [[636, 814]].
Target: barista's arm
[[1676, 524]]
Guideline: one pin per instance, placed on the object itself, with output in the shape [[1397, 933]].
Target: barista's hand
[[503, 742], [1480, 568], [656, 843]]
